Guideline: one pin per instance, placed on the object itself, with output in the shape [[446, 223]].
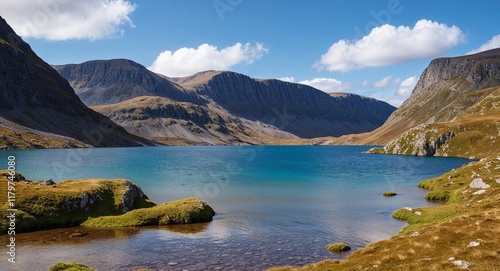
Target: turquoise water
[[276, 205]]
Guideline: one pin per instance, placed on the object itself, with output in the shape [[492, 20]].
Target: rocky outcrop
[[479, 70], [81, 203], [131, 194], [70, 202], [420, 141], [34, 95]]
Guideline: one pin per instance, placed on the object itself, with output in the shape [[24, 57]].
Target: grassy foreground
[[463, 233]]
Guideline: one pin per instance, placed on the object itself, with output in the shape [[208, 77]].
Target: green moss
[[184, 211], [338, 247], [389, 194], [70, 267]]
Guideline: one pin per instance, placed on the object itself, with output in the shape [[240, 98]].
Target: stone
[[479, 192], [75, 234], [47, 182], [415, 233], [479, 184], [473, 244], [462, 264], [407, 209], [418, 213]]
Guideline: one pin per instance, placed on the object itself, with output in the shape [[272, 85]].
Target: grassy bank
[[106, 203], [183, 211], [463, 233]]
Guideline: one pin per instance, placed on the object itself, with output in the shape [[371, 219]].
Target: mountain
[[40, 108], [298, 109], [217, 107], [443, 91], [454, 110], [102, 82]]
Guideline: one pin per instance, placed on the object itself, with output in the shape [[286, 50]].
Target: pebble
[[172, 263], [473, 244], [479, 192], [462, 264], [418, 213]]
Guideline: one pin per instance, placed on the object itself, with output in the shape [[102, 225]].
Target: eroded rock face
[[132, 192], [82, 203], [476, 69], [419, 141], [428, 146]]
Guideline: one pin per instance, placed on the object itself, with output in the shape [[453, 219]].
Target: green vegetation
[[100, 201], [389, 194], [184, 211], [338, 247], [70, 267]]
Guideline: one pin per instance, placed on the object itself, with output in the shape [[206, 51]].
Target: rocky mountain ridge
[[221, 107], [447, 88]]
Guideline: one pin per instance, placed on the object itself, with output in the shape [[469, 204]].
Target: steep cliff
[[295, 108], [103, 82], [34, 95]]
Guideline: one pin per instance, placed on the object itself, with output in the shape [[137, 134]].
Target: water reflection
[[80, 235]]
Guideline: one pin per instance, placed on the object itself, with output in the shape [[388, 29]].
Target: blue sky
[[375, 48]]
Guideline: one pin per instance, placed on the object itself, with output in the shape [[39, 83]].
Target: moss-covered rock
[[70, 267], [183, 211], [68, 203], [389, 194], [338, 247]]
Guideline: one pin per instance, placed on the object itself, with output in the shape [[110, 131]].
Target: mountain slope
[[103, 82], [446, 89], [217, 107], [34, 95], [298, 109]]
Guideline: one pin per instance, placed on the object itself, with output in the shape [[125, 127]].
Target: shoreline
[[454, 214]]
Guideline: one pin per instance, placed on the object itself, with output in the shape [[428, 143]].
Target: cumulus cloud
[[287, 79], [491, 44], [57, 20], [383, 83], [187, 61], [388, 44], [327, 84], [406, 86]]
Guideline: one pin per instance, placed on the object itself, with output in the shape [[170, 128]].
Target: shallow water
[[275, 205]]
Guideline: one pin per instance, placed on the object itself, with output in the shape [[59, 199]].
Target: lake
[[276, 205]]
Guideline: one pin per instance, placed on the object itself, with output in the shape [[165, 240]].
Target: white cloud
[[387, 45], [57, 20], [187, 61], [406, 87], [491, 44], [287, 79], [364, 83], [383, 83], [327, 84]]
